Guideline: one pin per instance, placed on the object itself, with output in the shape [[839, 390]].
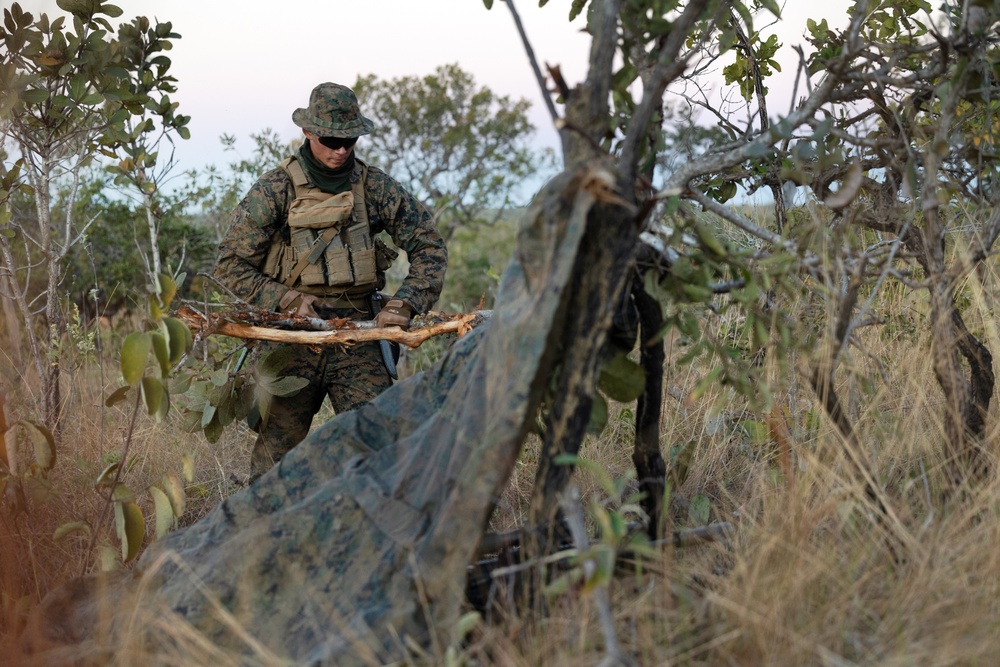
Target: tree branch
[[334, 332]]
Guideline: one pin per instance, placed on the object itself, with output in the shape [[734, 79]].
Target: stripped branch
[[282, 328]]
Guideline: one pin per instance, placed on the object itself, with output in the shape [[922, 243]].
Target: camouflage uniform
[[349, 376]]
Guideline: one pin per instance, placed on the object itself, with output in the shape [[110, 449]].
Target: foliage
[[892, 146], [107, 268], [460, 148], [27, 490], [150, 122], [894, 151], [68, 91], [228, 389], [147, 359]]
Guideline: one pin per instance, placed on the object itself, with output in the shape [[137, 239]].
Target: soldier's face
[[332, 158]]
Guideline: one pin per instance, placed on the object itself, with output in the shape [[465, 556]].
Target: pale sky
[[245, 65]]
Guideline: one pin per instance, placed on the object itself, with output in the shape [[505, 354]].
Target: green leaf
[[699, 510], [156, 398], [180, 384], [287, 386], [42, 442], [756, 431], [35, 95], [213, 431], [174, 491], [771, 6], [135, 353], [163, 510], [273, 363], [107, 476], [131, 529], [179, 337], [228, 405], [191, 421], [81, 7], [155, 308], [187, 463], [622, 379], [161, 352], [219, 378], [122, 494], [467, 623], [168, 290], [117, 396], [111, 10], [208, 415], [70, 528], [108, 558], [488, 4]]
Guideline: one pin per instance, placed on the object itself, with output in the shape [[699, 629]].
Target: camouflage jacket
[[264, 211]]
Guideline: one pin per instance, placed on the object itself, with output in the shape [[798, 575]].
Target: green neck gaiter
[[329, 180]]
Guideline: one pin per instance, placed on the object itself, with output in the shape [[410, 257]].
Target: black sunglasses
[[337, 142]]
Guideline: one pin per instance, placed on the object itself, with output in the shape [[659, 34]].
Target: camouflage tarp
[[358, 542]]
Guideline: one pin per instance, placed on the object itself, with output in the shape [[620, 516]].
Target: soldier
[[304, 239]]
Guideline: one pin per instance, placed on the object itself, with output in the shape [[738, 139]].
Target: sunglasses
[[337, 142]]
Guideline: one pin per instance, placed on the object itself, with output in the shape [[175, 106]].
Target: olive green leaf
[[179, 338], [622, 379], [70, 528], [107, 476], [41, 440], [117, 396], [156, 397], [161, 352], [135, 354], [163, 510], [131, 528], [174, 491]]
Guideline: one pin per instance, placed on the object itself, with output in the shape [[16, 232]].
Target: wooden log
[[312, 331]]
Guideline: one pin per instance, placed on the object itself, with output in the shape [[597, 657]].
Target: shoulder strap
[[360, 210], [295, 172]]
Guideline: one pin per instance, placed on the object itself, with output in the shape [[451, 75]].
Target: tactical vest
[[330, 250]]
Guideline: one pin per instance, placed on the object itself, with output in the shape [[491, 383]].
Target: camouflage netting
[[357, 543]]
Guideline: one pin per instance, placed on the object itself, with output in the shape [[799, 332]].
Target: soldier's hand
[[301, 303], [395, 313]]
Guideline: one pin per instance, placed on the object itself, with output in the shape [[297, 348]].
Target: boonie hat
[[333, 112]]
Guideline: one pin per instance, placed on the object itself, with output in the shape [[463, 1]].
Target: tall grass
[[811, 576]]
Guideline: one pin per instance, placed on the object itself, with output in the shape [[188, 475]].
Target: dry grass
[[810, 577]]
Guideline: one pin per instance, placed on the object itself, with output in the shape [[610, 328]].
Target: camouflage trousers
[[350, 376]]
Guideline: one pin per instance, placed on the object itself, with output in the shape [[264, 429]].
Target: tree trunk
[[605, 259]]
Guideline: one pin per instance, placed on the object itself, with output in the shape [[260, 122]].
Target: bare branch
[[331, 332], [534, 62]]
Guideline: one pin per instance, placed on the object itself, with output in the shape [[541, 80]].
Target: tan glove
[[301, 303], [395, 313]]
